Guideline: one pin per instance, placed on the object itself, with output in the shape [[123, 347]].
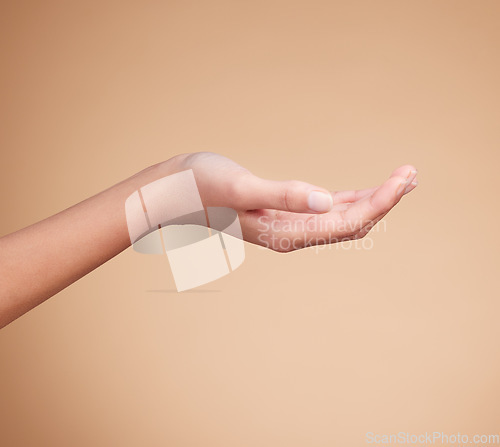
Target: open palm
[[289, 215]]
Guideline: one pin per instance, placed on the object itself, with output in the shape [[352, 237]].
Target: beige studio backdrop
[[313, 348]]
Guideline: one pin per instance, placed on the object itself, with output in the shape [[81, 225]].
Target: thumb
[[290, 195]]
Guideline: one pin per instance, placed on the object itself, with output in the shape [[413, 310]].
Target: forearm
[[44, 258]]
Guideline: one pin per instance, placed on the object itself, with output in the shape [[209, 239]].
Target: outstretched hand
[[289, 215]]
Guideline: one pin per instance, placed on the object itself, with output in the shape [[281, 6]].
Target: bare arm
[[39, 261]]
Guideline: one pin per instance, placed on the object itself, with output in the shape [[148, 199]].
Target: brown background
[[306, 349]]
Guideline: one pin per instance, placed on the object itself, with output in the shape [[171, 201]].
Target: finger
[[355, 195], [351, 196], [367, 228], [411, 186], [294, 196], [404, 171], [382, 200], [359, 227]]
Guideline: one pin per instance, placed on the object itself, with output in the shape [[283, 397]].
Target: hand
[[288, 215]]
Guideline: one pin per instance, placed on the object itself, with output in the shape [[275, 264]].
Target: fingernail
[[319, 202], [412, 173], [401, 187], [414, 183]]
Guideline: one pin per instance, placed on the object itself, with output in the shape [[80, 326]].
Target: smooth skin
[[40, 260]]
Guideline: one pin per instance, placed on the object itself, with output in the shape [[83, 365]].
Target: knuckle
[[237, 188], [290, 190]]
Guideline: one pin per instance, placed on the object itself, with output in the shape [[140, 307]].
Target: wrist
[[162, 193], [170, 166], [152, 173]]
